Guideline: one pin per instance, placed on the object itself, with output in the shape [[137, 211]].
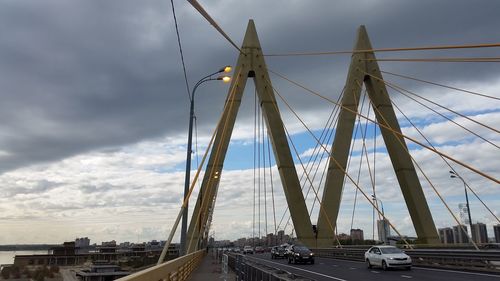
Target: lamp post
[[382, 204], [455, 175], [189, 148]]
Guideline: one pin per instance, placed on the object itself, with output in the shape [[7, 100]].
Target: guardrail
[[177, 269], [457, 259], [247, 269], [484, 260]]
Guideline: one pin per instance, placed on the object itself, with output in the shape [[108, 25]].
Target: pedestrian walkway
[[211, 269]]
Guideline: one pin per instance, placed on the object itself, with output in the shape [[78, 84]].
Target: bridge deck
[[211, 269]]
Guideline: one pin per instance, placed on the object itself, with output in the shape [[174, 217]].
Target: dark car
[[277, 252], [298, 253], [259, 250]]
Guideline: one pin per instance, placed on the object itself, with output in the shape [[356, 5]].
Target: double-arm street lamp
[[209, 77], [455, 175]]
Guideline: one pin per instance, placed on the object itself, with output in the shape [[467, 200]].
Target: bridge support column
[[361, 71], [251, 64]]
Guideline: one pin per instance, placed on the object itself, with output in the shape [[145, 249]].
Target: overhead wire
[[440, 85], [264, 176], [398, 133], [401, 142], [259, 111], [327, 139], [444, 159], [423, 48], [300, 161], [389, 128], [342, 169], [309, 180], [326, 136], [490, 59], [180, 50], [254, 163], [374, 159], [272, 184], [358, 126], [402, 91], [330, 123]]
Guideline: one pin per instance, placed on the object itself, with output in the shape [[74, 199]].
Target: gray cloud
[[94, 76], [86, 75], [29, 188]]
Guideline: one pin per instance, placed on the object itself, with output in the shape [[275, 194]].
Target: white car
[[387, 257], [248, 250]]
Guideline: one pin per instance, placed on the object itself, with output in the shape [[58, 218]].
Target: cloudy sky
[[94, 110]]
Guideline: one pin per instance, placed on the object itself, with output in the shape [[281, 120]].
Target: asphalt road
[[342, 270]]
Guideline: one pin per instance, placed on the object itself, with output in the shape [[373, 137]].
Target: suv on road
[[277, 252], [299, 253]]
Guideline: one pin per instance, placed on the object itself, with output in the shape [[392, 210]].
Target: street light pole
[[455, 175], [381, 203], [189, 150]]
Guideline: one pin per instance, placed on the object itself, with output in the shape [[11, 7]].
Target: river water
[[7, 257]]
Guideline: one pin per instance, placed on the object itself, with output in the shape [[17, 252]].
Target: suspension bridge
[[314, 185]]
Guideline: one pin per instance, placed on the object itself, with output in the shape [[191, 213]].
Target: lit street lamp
[[209, 77], [455, 175]]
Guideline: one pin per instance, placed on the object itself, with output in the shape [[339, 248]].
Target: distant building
[[271, 239], [67, 249], [343, 236], [460, 234], [479, 233], [241, 242], [111, 243], [357, 234], [83, 242], [82, 245], [153, 245], [281, 238], [446, 235], [384, 230], [496, 230], [287, 239]]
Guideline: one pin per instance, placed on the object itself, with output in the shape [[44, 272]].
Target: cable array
[[373, 121], [311, 167]]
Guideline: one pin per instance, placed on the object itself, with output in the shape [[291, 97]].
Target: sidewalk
[[211, 269]]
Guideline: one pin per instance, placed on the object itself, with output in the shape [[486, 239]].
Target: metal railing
[[178, 269], [247, 269], [484, 260], [457, 259]]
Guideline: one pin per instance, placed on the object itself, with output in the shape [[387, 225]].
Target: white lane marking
[[455, 271], [335, 265], [407, 276], [373, 271], [308, 271], [353, 268], [321, 263], [433, 269]]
